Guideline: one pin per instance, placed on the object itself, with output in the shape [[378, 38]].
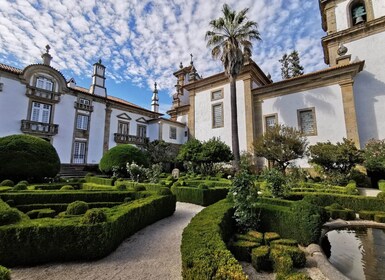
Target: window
[[218, 94], [172, 132], [123, 128], [40, 112], [307, 121], [79, 154], [271, 121], [142, 131], [358, 12], [84, 101], [44, 83], [217, 114], [82, 122]]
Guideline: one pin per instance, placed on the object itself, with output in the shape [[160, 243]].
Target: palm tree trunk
[[234, 122]]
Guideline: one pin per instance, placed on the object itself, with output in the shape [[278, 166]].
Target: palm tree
[[230, 39]]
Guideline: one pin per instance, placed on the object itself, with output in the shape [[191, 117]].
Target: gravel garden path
[[152, 253]]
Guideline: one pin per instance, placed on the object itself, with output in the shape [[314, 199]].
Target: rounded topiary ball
[[77, 208], [25, 157], [20, 187], [67, 188], [164, 191], [94, 216], [119, 156], [7, 183]]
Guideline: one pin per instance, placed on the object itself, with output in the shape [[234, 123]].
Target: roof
[[167, 120], [10, 69]]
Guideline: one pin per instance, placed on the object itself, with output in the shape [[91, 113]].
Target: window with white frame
[[307, 121], [79, 153], [270, 121], [82, 122], [217, 94], [40, 112], [123, 128], [172, 132], [217, 115], [84, 101], [44, 83], [142, 131]]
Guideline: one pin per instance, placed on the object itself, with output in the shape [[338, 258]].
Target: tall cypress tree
[[290, 65]]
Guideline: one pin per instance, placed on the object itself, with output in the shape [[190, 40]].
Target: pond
[[359, 253]]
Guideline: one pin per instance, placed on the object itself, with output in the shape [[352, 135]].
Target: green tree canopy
[[281, 144], [374, 155], [290, 65]]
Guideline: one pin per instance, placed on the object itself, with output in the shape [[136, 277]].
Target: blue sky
[[143, 41]]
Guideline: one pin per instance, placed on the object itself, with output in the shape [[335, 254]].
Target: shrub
[[379, 218], [139, 188], [340, 213], [374, 155], [241, 249], [296, 254], [282, 263], [7, 183], [128, 199], [367, 215], [260, 258], [77, 208], [351, 188], [67, 188], [41, 213], [287, 242], [381, 195], [25, 157], [203, 187], [121, 187], [8, 215], [94, 216], [270, 236], [275, 182], [164, 191], [199, 196], [20, 187], [381, 185], [119, 156], [5, 274], [24, 182], [203, 249]]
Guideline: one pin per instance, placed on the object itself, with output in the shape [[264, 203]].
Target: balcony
[[84, 107], [40, 128], [43, 94], [129, 139]]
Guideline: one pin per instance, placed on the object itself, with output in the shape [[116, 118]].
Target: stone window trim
[[84, 101], [216, 124], [215, 96], [300, 125], [268, 116], [140, 127], [368, 9], [173, 131], [42, 77], [84, 124], [121, 125]]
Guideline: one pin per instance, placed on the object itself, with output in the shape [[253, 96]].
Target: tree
[[25, 157], [230, 39], [290, 65], [161, 152], [281, 144]]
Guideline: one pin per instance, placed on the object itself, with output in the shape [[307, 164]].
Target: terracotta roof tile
[[10, 69]]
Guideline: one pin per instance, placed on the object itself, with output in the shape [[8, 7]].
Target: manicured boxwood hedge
[[45, 197], [204, 252], [353, 202], [100, 180], [5, 274], [46, 240], [60, 207], [198, 196]]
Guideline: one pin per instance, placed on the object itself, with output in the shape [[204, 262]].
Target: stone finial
[[155, 99], [46, 56], [342, 50], [191, 61], [181, 65], [100, 61], [47, 48]]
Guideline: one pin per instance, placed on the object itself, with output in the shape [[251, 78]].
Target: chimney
[[46, 56], [155, 99], [98, 86]]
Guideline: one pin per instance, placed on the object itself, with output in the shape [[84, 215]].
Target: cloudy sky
[[142, 41]]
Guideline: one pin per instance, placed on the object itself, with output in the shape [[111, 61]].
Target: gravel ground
[[152, 253]]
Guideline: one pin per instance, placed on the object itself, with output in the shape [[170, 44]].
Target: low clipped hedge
[[8, 215], [5, 274], [44, 197], [55, 186], [100, 180], [199, 196], [302, 221], [48, 240], [381, 185], [60, 207], [204, 251], [353, 202]]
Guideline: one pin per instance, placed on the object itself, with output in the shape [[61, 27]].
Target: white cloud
[[144, 40]]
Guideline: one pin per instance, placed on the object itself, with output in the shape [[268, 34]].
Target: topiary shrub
[[138, 188], [25, 157], [94, 216], [121, 187], [77, 208], [20, 187], [381, 195], [7, 183], [5, 274], [119, 156], [67, 188], [379, 218], [9, 216], [24, 182], [164, 191]]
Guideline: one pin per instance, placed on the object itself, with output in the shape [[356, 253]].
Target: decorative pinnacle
[[191, 62], [181, 65], [100, 61], [47, 47], [155, 87], [342, 50]]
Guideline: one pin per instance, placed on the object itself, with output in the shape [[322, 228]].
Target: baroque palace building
[[344, 100]]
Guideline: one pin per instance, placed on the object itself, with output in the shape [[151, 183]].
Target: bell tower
[[347, 21]]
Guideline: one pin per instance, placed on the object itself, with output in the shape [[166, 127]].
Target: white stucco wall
[[13, 106], [96, 133], [153, 131], [369, 86], [180, 133], [378, 8], [64, 116], [203, 116], [182, 119]]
